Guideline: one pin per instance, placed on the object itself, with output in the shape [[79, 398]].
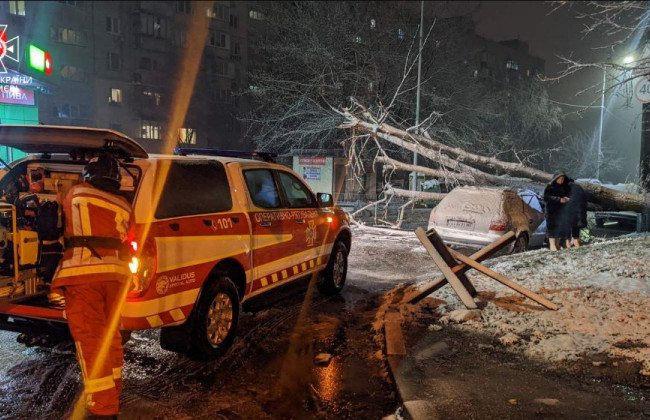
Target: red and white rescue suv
[[211, 232]]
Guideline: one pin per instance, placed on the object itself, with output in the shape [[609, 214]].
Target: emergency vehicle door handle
[[207, 222], [174, 227], [265, 224], [300, 221]]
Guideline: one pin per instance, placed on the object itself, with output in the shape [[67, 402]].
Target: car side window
[[298, 195], [262, 188], [194, 187]]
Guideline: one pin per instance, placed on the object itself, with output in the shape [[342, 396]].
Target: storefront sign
[[312, 160], [14, 95]]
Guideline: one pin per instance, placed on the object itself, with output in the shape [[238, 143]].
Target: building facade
[[115, 64]]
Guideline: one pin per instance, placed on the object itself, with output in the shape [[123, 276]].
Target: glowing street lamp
[[628, 60]]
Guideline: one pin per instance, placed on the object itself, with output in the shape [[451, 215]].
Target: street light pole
[[417, 96], [600, 131]]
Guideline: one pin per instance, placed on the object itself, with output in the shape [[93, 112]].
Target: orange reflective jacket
[[91, 212]]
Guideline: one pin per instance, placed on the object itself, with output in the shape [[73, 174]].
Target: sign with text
[[312, 161], [15, 95], [642, 90], [316, 171], [311, 172]]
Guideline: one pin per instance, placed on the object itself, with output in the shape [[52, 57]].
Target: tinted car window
[[194, 187], [262, 188], [297, 194]]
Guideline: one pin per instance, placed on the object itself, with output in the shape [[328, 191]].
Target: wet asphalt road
[[268, 373]]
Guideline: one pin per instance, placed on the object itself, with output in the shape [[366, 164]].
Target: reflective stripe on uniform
[[96, 385], [117, 373], [92, 269]]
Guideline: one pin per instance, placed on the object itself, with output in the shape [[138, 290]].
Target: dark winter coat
[[577, 206], [558, 222]]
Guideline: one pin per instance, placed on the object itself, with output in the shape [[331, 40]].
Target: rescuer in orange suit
[[92, 275]]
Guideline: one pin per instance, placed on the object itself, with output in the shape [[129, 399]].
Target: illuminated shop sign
[[15, 95], [9, 49]]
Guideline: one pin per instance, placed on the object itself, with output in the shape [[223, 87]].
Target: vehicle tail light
[[143, 266], [498, 224]]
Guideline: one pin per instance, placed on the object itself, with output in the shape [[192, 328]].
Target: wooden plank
[[488, 251], [395, 345], [442, 249], [453, 280], [420, 294], [505, 281]]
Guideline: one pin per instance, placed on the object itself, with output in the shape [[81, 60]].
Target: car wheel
[[216, 319], [332, 279], [521, 244]]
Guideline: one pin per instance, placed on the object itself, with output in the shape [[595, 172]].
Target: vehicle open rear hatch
[[49, 139], [22, 290]]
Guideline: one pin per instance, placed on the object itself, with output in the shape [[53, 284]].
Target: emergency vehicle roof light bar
[[265, 156]]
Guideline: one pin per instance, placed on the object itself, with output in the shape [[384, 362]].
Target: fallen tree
[[459, 165]]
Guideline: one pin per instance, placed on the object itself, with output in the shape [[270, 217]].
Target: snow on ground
[[603, 291]]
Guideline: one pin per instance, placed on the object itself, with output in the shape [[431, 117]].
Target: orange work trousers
[[89, 308]]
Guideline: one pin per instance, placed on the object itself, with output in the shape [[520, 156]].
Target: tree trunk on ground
[[616, 199], [420, 195]]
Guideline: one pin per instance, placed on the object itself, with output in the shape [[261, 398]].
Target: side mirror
[[325, 200]]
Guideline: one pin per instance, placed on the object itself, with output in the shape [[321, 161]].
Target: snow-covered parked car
[[473, 217]]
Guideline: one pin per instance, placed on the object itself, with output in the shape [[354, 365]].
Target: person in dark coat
[[556, 196], [577, 212]]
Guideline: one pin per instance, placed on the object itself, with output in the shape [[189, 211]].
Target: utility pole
[[600, 131], [417, 97]]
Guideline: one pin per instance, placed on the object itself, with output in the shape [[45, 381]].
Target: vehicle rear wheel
[[521, 244], [332, 279], [216, 319]]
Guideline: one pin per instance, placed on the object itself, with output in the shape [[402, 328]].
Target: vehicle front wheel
[[521, 244], [216, 319], [332, 279]]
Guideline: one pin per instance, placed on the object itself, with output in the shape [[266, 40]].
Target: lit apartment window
[[512, 65], [116, 96], [219, 39], [234, 21], [187, 135], [17, 8], [256, 15], [151, 130], [69, 3], [76, 74], [218, 12], [400, 33], [114, 61], [153, 25], [68, 36], [152, 97], [112, 25], [184, 7], [357, 39], [373, 24]]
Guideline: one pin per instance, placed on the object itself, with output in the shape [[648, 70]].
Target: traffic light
[[39, 59]]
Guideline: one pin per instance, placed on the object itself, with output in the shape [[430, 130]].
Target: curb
[[395, 351]]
